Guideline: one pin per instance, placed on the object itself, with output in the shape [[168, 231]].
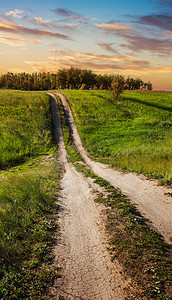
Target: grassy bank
[[28, 193], [144, 256], [134, 133]]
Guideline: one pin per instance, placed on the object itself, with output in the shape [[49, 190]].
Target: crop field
[[133, 133], [28, 191]]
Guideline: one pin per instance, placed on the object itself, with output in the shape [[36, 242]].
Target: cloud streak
[[162, 21], [15, 42], [114, 27], [137, 41], [136, 66], [19, 29], [98, 62], [68, 14], [86, 55], [141, 43], [107, 47], [45, 23]]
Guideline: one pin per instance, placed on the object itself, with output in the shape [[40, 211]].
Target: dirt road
[[151, 200], [87, 271]]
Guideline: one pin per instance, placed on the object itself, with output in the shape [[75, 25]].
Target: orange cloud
[[161, 70], [96, 56], [136, 68], [7, 26], [15, 41], [167, 32], [110, 27], [106, 62], [43, 66], [85, 56], [19, 29]]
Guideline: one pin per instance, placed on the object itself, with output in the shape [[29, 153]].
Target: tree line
[[71, 78]]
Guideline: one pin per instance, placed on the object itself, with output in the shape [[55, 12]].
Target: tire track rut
[[87, 270]]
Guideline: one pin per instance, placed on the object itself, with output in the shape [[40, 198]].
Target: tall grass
[[22, 199], [27, 199], [134, 133], [28, 192], [25, 127]]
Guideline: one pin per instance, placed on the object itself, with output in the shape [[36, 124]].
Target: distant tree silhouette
[[71, 78]]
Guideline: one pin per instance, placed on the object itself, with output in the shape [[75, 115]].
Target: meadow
[[133, 133], [25, 126], [28, 191]]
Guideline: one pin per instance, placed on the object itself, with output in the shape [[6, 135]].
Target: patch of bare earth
[[86, 268], [151, 200]]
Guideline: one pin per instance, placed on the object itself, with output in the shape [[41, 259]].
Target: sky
[[128, 37]]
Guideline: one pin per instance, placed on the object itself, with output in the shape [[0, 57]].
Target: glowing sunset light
[[130, 38]]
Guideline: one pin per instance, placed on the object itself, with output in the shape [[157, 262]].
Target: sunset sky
[[128, 37]]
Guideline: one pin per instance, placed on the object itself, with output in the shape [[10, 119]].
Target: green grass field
[[134, 133], [25, 127], [28, 191]]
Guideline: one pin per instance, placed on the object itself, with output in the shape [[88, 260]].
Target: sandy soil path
[[87, 270], [152, 201]]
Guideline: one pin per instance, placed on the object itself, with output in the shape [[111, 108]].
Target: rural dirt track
[[87, 270], [153, 201]]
